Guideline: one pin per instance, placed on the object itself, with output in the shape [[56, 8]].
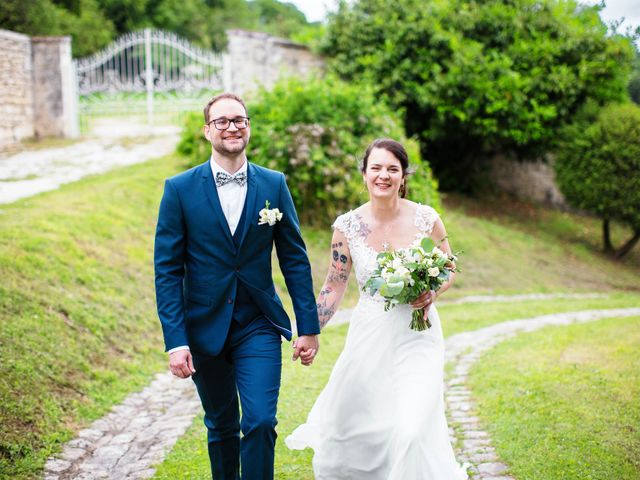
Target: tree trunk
[[626, 248], [606, 236]]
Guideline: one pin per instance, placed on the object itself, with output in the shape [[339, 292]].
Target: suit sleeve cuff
[[183, 347]]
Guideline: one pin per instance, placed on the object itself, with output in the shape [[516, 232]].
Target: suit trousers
[[249, 367]]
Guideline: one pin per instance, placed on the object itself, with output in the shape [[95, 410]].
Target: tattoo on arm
[[325, 312], [339, 271]]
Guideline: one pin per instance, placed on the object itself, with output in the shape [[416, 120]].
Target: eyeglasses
[[223, 123]]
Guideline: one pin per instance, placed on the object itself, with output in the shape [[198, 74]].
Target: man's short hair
[[221, 96]]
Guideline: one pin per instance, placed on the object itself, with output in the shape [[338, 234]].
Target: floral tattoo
[[325, 311]]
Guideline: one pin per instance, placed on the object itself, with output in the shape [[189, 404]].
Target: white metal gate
[[151, 75]]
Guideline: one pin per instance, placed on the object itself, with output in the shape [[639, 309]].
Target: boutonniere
[[269, 215]]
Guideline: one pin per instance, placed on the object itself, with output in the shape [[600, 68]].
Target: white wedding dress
[[381, 416]]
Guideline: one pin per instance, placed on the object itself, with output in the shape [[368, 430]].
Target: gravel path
[[34, 171], [138, 433]]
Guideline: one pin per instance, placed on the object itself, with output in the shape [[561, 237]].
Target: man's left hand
[[306, 347]]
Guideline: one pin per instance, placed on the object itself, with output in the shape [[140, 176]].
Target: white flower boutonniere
[[269, 215]]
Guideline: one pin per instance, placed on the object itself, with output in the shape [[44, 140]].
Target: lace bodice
[[364, 256]]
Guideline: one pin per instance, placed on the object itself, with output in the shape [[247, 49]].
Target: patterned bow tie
[[223, 178]]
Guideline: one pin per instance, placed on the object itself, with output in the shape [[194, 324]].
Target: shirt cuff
[[183, 347]]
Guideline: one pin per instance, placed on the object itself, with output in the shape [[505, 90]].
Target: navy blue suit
[[215, 293]]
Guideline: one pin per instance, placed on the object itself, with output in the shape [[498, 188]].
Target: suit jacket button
[[230, 300]]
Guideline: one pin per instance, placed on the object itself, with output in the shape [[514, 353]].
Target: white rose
[[434, 271], [403, 272], [269, 216]]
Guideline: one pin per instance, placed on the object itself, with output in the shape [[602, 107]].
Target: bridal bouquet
[[403, 274]]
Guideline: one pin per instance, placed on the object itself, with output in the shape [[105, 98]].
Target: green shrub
[[598, 168], [315, 132]]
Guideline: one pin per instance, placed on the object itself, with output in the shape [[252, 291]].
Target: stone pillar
[[54, 92], [16, 92]]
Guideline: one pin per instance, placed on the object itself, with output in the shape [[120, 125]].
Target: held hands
[[306, 347], [181, 363], [425, 301]]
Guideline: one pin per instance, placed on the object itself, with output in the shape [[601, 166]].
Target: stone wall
[[532, 180], [255, 58], [54, 90], [16, 88], [37, 88]]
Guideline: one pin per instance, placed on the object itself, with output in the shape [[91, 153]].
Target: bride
[[381, 416]]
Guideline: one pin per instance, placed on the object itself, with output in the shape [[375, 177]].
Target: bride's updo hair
[[398, 151]]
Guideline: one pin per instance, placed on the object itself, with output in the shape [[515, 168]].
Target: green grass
[[78, 329], [300, 386], [562, 403]]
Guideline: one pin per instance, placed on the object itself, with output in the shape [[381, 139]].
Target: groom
[[221, 317]]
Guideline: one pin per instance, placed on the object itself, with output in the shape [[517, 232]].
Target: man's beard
[[225, 149]]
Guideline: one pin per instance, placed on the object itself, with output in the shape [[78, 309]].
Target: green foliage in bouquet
[[403, 275], [315, 131], [598, 169]]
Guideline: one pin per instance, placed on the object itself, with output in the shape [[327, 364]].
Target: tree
[[475, 78], [85, 22], [598, 169]]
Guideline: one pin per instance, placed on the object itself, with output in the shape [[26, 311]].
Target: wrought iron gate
[[148, 73]]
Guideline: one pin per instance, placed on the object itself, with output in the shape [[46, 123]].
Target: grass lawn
[[562, 403], [78, 329], [300, 386]]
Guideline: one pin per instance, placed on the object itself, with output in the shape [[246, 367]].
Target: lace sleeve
[[344, 224], [426, 219]]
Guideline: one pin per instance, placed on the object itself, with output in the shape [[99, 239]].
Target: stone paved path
[[463, 350], [138, 433], [34, 171]]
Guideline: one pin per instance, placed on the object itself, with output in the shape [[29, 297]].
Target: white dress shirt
[[232, 197]]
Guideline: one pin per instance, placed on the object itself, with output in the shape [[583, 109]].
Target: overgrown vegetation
[[316, 131]]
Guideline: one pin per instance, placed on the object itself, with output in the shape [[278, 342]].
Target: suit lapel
[[252, 190], [212, 195]]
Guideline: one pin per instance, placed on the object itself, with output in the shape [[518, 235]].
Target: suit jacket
[[198, 265]]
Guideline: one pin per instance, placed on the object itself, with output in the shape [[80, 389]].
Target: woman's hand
[[424, 301]]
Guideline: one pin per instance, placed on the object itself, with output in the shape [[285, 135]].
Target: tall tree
[[598, 170]]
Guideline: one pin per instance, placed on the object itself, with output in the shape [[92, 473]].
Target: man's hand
[[306, 347], [181, 364]]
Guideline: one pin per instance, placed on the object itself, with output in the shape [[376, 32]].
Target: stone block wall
[[37, 88], [532, 180], [54, 90], [255, 58], [16, 88]]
